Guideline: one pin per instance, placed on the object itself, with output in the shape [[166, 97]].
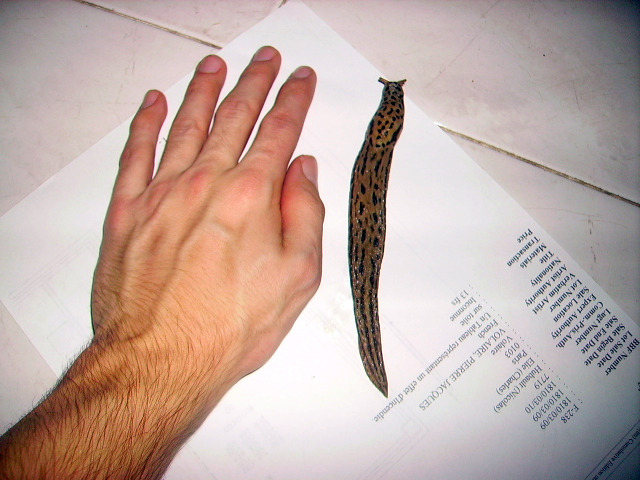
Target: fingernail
[[264, 54], [150, 98], [302, 72], [310, 169], [210, 64]]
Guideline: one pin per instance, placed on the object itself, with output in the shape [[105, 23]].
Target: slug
[[367, 225]]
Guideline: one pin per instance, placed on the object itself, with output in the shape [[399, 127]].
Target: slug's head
[[390, 115], [393, 85]]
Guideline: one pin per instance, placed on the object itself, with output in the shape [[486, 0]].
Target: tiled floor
[[555, 82]]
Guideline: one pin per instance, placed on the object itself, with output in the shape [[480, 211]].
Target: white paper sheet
[[504, 358]]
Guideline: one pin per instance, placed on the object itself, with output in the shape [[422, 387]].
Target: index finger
[[280, 129]]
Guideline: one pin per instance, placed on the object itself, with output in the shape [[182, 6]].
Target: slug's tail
[[379, 379], [371, 354]]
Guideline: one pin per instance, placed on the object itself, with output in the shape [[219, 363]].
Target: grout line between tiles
[[151, 24], [538, 165], [444, 128]]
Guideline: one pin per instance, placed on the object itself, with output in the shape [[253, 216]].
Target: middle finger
[[236, 117]]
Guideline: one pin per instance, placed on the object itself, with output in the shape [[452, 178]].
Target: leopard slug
[[367, 225]]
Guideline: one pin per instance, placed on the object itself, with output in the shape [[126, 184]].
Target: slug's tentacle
[[367, 225]]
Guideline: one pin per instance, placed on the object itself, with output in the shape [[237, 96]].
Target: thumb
[[302, 209]]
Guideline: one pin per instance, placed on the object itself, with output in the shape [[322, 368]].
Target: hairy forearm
[[112, 417]]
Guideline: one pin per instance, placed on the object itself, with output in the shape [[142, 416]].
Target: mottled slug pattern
[[367, 225]]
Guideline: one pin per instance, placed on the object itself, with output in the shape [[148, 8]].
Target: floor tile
[[24, 375], [215, 21], [553, 81], [600, 232], [71, 73], [556, 82]]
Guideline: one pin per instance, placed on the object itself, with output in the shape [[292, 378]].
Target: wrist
[[160, 352], [174, 376]]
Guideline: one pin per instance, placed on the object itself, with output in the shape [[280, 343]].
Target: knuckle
[[318, 208], [199, 183], [308, 270], [247, 198], [155, 194], [251, 186], [127, 157], [297, 91], [189, 127], [118, 219], [130, 156], [282, 121], [139, 122], [257, 73], [236, 108], [199, 87]]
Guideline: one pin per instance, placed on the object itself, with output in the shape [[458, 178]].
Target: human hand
[[210, 261], [203, 269]]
